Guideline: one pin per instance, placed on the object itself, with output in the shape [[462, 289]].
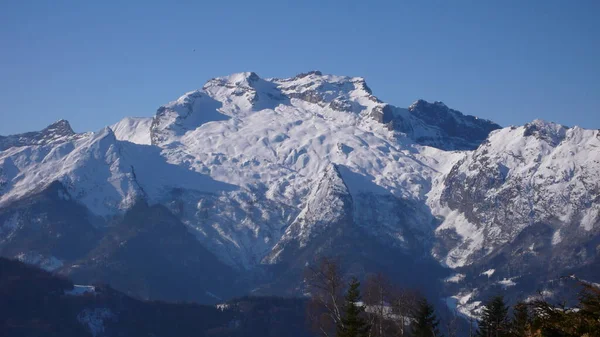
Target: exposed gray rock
[[455, 130], [55, 132]]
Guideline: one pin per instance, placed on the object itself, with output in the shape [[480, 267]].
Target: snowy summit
[[270, 171]]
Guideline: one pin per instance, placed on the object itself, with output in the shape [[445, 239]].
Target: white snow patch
[[507, 282], [223, 306], [488, 272], [456, 278], [556, 237], [461, 304], [472, 238], [544, 295], [590, 219], [81, 290]]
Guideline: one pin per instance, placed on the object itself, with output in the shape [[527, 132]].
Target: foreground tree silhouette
[[425, 322], [353, 323], [494, 319], [325, 284], [590, 309], [521, 323], [560, 320], [377, 294]]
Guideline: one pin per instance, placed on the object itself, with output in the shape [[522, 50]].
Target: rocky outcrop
[[59, 131]]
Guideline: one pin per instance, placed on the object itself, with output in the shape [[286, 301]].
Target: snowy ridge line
[[245, 163]]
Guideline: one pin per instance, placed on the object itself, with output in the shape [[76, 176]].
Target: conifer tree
[[353, 323], [589, 302], [521, 320], [426, 323], [494, 320]]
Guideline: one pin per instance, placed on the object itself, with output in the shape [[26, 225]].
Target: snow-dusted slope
[[260, 170], [133, 129], [275, 138], [104, 174], [328, 204]]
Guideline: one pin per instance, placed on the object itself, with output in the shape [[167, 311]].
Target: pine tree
[[353, 323], [589, 302], [521, 320], [426, 323], [494, 320]]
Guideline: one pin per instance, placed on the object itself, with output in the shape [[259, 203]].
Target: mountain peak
[[312, 72], [423, 104], [328, 205], [550, 132], [58, 131], [461, 132], [105, 132], [245, 93], [238, 79], [60, 127]]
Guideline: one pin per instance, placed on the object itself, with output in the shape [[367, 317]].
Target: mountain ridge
[[272, 172]]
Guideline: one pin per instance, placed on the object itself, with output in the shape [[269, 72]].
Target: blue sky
[[94, 62]]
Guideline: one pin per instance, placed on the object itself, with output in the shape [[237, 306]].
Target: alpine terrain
[[236, 187]]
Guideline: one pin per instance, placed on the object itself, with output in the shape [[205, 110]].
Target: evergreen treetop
[[426, 322], [353, 323], [494, 319]]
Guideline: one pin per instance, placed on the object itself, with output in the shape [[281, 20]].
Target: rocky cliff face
[[524, 206], [541, 173], [456, 131], [265, 174]]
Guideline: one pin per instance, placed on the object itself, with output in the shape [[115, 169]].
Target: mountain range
[[236, 187]]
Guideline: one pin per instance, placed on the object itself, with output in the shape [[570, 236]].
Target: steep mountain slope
[[104, 174], [267, 174], [47, 228], [539, 173], [454, 130], [180, 269], [146, 252], [523, 207]]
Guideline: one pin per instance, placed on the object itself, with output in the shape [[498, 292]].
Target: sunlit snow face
[[245, 155]]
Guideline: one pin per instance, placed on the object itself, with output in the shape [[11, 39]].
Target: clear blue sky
[[94, 62]]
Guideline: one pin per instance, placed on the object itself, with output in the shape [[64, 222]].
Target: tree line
[[339, 307]]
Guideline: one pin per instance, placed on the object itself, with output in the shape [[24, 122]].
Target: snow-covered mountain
[[266, 174]]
